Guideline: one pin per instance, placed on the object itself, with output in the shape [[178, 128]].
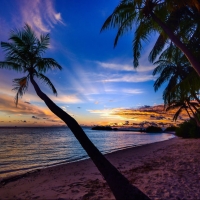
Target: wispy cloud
[[34, 113], [125, 67], [132, 91], [134, 78], [40, 14], [67, 99], [7, 105]]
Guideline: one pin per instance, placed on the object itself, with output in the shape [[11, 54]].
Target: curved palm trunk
[[192, 59], [120, 186]]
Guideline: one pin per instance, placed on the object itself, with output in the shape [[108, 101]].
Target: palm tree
[[172, 66], [150, 16], [183, 102], [183, 82], [24, 54]]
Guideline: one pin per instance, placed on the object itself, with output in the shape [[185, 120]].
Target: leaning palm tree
[[24, 54], [156, 16]]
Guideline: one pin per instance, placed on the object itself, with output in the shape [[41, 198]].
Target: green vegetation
[[188, 129], [154, 129]]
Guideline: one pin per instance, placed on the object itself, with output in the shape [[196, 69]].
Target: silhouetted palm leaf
[[45, 64], [21, 86], [47, 81]]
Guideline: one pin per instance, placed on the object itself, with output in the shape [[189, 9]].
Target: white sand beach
[[162, 170]]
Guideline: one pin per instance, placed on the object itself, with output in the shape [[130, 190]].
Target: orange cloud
[[7, 105], [25, 112], [146, 115]]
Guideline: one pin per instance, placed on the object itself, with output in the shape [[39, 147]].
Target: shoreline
[[23, 174], [163, 170]]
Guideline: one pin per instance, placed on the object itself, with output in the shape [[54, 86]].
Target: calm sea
[[27, 149]]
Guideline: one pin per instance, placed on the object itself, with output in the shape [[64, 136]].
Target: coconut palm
[[174, 68], [184, 102], [24, 54], [183, 82], [154, 16], [184, 21]]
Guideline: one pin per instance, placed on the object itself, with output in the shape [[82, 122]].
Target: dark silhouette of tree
[[174, 20], [183, 85], [24, 54]]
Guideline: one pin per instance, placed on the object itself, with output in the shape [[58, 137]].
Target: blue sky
[[97, 80]]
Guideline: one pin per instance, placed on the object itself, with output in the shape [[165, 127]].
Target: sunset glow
[[98, 84]]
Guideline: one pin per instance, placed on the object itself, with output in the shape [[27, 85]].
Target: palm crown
[[173, 20], [23, 53]]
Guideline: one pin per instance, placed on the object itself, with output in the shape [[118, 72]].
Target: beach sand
[[162, 170]]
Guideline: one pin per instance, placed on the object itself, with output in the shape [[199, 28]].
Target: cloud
[[132, 91], [124, 67], [40, 14], [8, 106], [72, 99], [106, 113], [149, 113], [134, 78], [145, 115], [115, 66]]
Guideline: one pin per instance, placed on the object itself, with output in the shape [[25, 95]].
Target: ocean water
[[27, 149]]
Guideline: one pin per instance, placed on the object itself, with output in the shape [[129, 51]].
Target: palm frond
[[42, 44], [120, 14], [142, 34], [11, 66], [158, 47], [21, 86], [178, 112], [122, 18], [45, 64], [48, 82]]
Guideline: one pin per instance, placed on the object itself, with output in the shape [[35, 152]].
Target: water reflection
[[25, 149]]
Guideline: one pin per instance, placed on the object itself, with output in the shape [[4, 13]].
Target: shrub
[[188, 129], [170, 129], [107, 128], [154, 129]]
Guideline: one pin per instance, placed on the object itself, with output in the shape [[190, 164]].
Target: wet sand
[[162, 170]]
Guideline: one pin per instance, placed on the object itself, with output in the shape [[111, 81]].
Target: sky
[[98, 84]]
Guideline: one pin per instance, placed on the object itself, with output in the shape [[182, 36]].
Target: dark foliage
[[188, 129], [154, 129], [170, 129], [106, 128]]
